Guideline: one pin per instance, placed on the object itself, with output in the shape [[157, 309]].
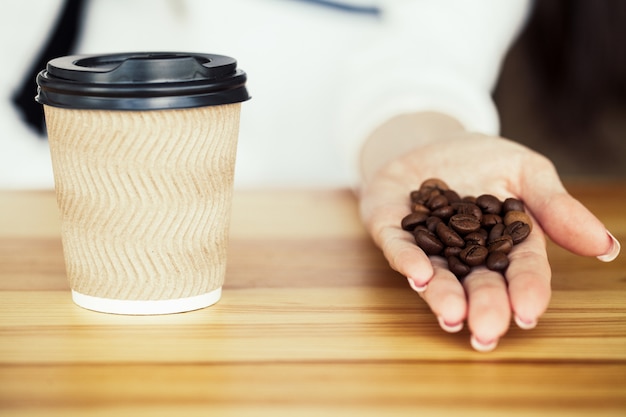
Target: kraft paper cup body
[[145, 200]]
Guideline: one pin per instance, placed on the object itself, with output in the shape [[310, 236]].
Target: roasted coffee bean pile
[[468, 231]]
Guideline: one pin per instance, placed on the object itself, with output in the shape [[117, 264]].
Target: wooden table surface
[[312, 322]]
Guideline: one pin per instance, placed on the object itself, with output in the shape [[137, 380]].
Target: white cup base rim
[[146, 307]]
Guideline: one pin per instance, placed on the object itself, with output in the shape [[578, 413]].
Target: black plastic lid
[[141, 81]]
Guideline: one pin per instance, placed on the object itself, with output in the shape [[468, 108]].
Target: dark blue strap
[[347, 7], [60, 43]]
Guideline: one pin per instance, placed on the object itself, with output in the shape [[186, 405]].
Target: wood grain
[[312, 322]]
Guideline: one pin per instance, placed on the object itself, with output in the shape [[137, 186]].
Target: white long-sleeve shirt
[[321, 77]]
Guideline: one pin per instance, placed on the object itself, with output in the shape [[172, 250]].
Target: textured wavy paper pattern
[[144, 198]]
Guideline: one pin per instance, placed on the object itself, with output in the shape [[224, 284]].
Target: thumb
[[565, 219]]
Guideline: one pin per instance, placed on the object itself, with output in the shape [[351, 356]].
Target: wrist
[[402, 134]]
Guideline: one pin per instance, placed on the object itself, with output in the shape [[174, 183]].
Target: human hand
[[474, 164]]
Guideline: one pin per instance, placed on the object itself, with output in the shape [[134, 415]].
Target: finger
[[489, 311], [568, 222], [446, 297], [404, 256], [398, 246], [570, 225], [528, 277]]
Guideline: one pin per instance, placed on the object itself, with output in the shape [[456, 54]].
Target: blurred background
[[562, 89]]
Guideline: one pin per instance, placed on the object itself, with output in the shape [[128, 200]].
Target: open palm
[[474, 164]]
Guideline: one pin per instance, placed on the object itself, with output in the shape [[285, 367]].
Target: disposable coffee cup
[[143, 149]]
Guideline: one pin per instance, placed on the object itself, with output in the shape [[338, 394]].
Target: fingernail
[[482, 346], [613, 251], [526, 325], [416, 287], [450, 328]]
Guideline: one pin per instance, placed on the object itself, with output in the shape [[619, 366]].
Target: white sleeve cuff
[[368, 107], [441, 56]]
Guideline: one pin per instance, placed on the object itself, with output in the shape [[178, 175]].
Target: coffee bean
[[435, 183], [474, 255], [511, 204], [468, 231], [417, 197], [452, 196], [496, 232], [437, 201], [448, 236], [432, 193], [464, 223], [502, 244], [489, 204], [517, 216], [475, 238], [444, 212], [452, 251], [422, 195], [518, 231], [489, 220], [419, 208], [410, 221], [497, 261], [468, 208], [432, 222], [420, 227], [457, 267], [428, 242]]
